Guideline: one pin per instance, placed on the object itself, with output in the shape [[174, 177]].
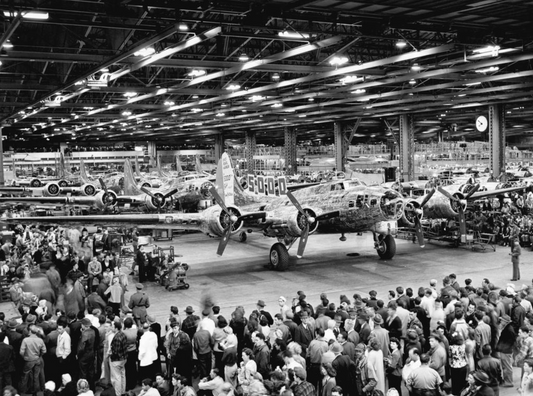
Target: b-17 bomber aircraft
[[333, 207]]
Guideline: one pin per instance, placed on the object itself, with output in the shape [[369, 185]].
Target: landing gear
[[386, 247], [279, 257], [243, 237]]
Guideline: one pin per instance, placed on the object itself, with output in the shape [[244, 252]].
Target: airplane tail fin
[[228, 186], [61, 166], [83, 173], [130, 186], [178, 165], [160, 172], [198, 164]]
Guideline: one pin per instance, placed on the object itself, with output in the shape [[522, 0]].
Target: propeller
[[308, 220], [461, 210], [158, 199], [108, 198], [417, 216], [231, 217]]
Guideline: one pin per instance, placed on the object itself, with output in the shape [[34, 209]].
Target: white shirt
[[148, 349], [214, 385], [63, 345], [206, 324]]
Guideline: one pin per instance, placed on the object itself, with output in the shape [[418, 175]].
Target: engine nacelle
[[216, 220], [204, 190], [157, 202], [51, 190], [146, 185], [35, 183], [88, 190], [62, 183], [296, 223]]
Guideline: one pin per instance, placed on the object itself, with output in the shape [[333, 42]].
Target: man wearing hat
[[381, 335], [32, 350], [424, 381], [260, 311], [304, 333], [139, 301], [190, 322], [344, 367], [299, 385]]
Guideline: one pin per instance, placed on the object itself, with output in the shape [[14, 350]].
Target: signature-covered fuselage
[[360, 207]]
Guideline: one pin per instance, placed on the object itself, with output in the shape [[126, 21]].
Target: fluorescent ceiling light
[[401, 44], [233, 87], [492, 49], [257, 98], [359, 91], [27, 14], [415, 67], [412, 81], [472, 84], [145, 52], [488, 69], [221, 114], [7, 45], [130, 94], [293, 35], [183, 27], [338, 60], [126, 113], [196, 73], [169, 103], [351, 79], [275, 76], [244, 58], [276, 105]]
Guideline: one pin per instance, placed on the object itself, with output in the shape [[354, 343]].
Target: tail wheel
[[387, 247], [279, 257]]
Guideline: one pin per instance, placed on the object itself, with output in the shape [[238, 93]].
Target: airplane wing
[[494, 193], [181, 221]]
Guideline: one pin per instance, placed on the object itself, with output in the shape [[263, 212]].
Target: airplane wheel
[[35, 183], [387, 247], [243, 237], [279, 257], [186, 285]]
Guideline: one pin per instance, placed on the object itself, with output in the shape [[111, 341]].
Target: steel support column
[[497, 138], [219, 146], [290, 151], [249, 151], [2, 180], [407, 147], [340, 146]]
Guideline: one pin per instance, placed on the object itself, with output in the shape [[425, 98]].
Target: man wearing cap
[[85, 352], [139, 301], [372, 301], [424, 381], [299, 386], [304, 333], [190, 322], [32, 350]]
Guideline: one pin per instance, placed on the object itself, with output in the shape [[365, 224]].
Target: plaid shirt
[[119, 347], [304, 389]]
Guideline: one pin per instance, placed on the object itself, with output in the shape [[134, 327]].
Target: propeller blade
[[419, 232], [296, 203], [303, 241], [147, 192], [462, 221], [473, 191], [102, 183], [218, 199], [170, 193], [447, 194], [225, 239], [427, 197]]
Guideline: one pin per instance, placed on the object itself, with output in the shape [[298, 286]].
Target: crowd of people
[[76, 334]]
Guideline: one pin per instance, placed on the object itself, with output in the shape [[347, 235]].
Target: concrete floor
[[239, 277]]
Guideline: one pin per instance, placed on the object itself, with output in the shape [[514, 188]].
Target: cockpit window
[[337, 186]]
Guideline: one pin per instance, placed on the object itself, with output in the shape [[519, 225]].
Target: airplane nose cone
[[234, 218], [311, 220]]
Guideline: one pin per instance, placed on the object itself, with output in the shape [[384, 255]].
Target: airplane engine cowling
[[204, 190], [62, 183], [296, 223], [152, 203], [217, 220], [88, 190], [106, 199], [51, 190], [410, 212], [146, 185], [35, 183]]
